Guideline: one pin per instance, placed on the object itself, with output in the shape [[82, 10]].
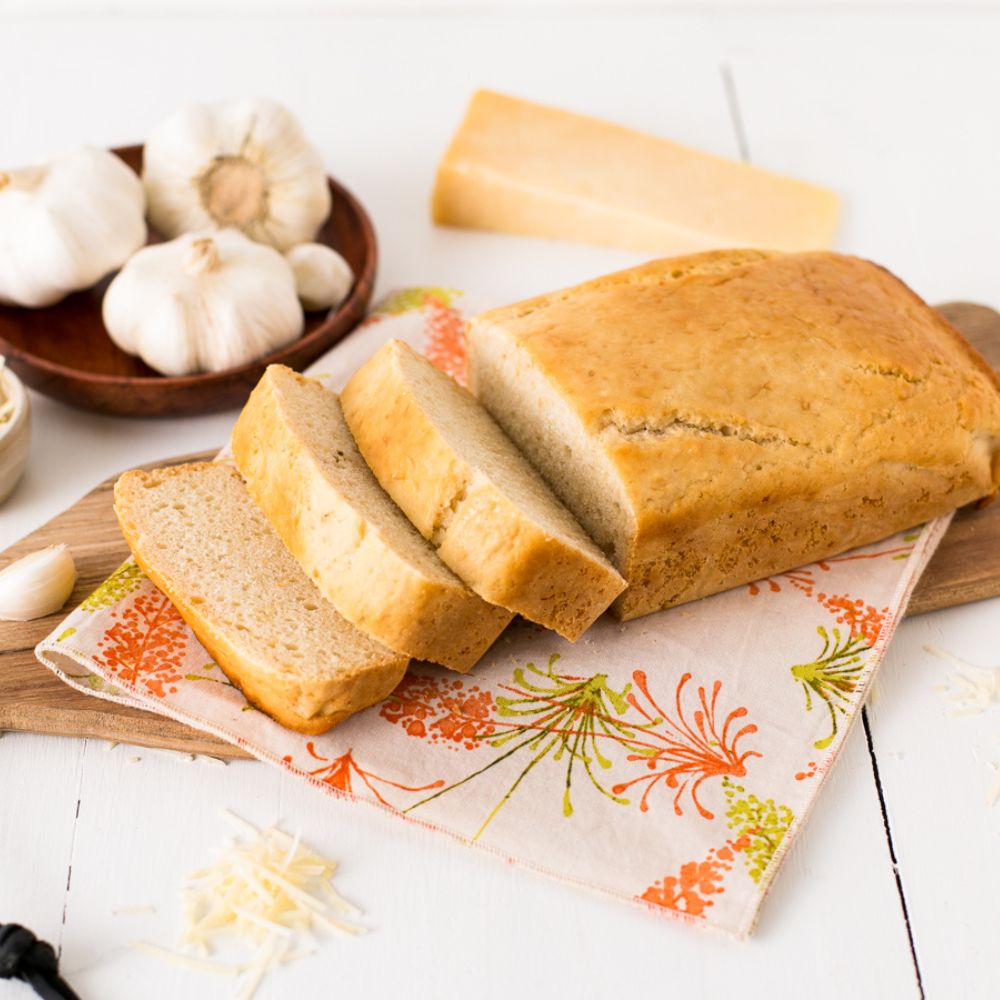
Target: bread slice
[[727, 416], [304, 470], [468, 490], [200, 538]]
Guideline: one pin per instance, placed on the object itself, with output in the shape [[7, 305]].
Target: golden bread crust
[[761, 410]]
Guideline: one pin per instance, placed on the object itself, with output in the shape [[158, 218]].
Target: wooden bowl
[[64, 351]]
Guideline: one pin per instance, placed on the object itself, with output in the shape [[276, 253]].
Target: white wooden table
[[892, 889]]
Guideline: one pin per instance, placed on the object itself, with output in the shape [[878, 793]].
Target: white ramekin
[[15, 433]]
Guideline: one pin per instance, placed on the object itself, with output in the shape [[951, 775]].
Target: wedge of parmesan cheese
[[519, 167]]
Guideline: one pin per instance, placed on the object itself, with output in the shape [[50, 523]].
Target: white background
[[892, 105]]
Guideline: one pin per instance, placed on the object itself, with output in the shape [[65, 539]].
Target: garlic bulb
[[203, 302], [37, 584], [322, 277], [66, 224], [244, 164]]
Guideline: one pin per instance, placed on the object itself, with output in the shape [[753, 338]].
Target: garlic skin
[[66, 224], [37, 584], [203, 302], [323, 279], [245, 164]]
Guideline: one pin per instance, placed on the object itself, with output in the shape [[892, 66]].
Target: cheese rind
[[519, 167]]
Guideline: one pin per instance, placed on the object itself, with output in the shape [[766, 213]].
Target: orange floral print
[[689, 890], [800, 579], [340, 772], [569, 718], [683, 755], [900, 552], [803, 578], [556, 718], [441, 710], [864, 620], [446, 345], [444, 325], [146, 644]]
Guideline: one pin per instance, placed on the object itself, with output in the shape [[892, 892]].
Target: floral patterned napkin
[[668, 762]]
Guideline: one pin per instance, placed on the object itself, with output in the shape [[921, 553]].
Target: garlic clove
[[37, 584], [323, 279]]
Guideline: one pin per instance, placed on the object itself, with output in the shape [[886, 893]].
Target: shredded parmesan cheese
[[190, 961], [993, 794], [972, 689], [268, 890]]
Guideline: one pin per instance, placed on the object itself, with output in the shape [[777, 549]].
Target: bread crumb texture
[[470, 492], [200, 538], [306, 474]]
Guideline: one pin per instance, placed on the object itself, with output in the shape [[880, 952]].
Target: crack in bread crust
[[888, 372], [689, 423]]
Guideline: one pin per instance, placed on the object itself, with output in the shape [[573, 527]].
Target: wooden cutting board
[[965, 568]]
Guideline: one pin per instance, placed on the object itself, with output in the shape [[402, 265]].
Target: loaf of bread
[[719, 418], [468, 490], [304, 470], [200, 538]]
